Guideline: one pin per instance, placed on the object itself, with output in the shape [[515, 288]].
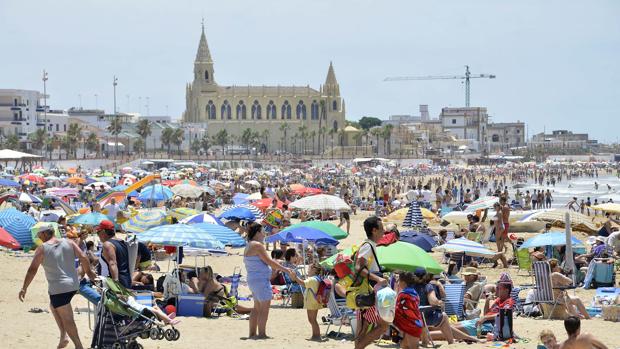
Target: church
[[287, 118]]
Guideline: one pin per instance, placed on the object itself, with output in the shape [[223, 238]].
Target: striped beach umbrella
[[482, 203], [155, 192], [187, 190], [91, 218], [240, 212], [18, 224], [182, 212], [223, 234], [470, 248], [202, 218], [180, 235], [144, 221], [414, 218]]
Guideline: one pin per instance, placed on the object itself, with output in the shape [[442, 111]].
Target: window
[[301, 110], [286, 110], [211, 111], [271, 110], [453, 121], [241, 111], [314, 110], [256, 110], [57, 127], [518, 131], [226, 110], [15, 116], [335, 125], [334, 105], [64, 127], [207, 75], [495, 138]]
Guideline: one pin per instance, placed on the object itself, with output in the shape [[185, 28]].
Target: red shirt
[[509, 303]]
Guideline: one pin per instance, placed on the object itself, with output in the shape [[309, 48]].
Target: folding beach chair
[[234, 285], [544, 286], [290, 288], [339, 314], [454, 300], [524, 262]]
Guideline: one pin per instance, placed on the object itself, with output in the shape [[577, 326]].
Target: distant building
[[19, 114], [563, 139], [466, 123], [502, 136]]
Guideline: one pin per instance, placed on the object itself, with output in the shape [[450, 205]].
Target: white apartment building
[[19, 113], [466, 123]]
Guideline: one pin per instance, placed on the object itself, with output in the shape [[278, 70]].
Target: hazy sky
[[557, 62]]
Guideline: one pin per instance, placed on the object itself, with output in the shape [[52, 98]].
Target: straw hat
[[469, 271]]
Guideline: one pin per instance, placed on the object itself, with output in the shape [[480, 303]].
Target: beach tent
[[321, 202], [12, 155], [18, 224]]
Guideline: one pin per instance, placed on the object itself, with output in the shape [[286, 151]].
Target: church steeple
[[203, 55], [203, 65], [331, 87]]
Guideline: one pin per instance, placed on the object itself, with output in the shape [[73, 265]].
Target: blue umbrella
[[8, 183], [202, 218], [240, 198], [238, 213], [180, 235], [18, 224], [223, 234], [122, 188], [155, 192], [145, 220], [301, 234], [549, 239], [91, 218], [423, 241], [414, 216]]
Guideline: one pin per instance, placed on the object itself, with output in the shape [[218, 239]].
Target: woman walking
[[58, 259], [258, 265]]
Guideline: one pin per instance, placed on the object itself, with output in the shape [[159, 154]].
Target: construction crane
[[465, 77]]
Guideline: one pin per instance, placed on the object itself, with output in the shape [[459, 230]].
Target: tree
[[331, 132], [323, 134], [166, 138], [38, 139], [205, 143], [368, 122], [302, 131], [178, 135], [341, 135], [295, 136], [284, 127], [74, 135], [65, 144], [386, 133], [12, 141], [221, 138], [357, 138], [313, 136], [115, 129], [196, 146], [139, 145], [376, 132], [246, 138], [265, 136], [365, 133], [92, 143], [321, 127], [144, 130]]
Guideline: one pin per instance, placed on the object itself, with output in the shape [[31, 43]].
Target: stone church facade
[[277, 113]]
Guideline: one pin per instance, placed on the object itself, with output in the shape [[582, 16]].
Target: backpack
[[502, 330], [323, 291]]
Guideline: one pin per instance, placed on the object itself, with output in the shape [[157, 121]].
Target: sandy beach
[[287, 327]]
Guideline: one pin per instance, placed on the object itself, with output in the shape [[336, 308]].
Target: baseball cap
[[419, 272], [105, 225]]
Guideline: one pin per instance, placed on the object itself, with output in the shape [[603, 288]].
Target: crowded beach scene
[[309, 174]]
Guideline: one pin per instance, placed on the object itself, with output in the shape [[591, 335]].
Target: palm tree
[[357, 138], [265, 137], [386, 133], [341, 135], [321, 127], [65, 144], [139, 145], [331, 133], [166, 138], [92, 143], [177, 138], [49, 141], [284, 127], [313, 136], [195, 146], [365, 134], [115, 129], [323, 134], [74, 135], [295, 143], [12, 141], [205, 143], [302, 130], [246, 138], [144, 130], [38, 139], [376, 131], [221, 138]]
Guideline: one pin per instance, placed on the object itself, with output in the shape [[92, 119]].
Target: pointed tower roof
[[203, 54], [331, 76]]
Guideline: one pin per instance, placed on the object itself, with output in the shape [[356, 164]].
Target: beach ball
[[169, 309]]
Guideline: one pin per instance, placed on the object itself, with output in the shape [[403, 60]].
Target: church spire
[[331, 76], [203, 54]]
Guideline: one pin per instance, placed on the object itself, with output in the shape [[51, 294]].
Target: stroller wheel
[[118, 345], [169, 335], [160, 334], [154, 333], [145, 334], [134, 345], [177, 334]]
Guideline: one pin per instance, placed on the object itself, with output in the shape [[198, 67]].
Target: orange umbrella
[[296, 186], [71, 170], [76, 180]]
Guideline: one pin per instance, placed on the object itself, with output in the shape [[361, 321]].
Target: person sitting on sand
[[215, 292], [558, 279], [576, 340], [547, 338]]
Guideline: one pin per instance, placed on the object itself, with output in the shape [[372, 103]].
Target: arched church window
[[256, 110], [335, 125], [271, 110], [286, 110], [226, 110], [334, 105], [211, 111], [241, 111], [301, 110], [314, 110], [206, 75]]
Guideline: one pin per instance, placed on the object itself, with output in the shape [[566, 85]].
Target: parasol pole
[[569, 262]]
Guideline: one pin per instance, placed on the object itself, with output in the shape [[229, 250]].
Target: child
[[311, 304], [408, 318]]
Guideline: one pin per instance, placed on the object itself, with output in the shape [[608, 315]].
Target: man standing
[[367, 266], [115, 254], [576, 340], [58, 259]]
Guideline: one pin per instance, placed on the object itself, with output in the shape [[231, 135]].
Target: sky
[[557, 62]]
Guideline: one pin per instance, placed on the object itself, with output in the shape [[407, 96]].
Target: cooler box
[[604, 274], [190, 305]]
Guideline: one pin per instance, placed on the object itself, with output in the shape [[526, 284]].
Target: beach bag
[[386, 304], [323, 291], [343, 264], [503, 325], [360, 295]]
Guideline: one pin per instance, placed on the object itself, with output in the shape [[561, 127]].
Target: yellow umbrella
[[428, 214], [398, 215], [607, 207]]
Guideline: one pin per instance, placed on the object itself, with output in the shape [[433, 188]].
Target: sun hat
[[105, 225], [469, 271], [504, 278]]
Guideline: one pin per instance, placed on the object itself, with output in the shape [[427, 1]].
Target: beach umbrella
[[321, 202], [482, 203], [222, 233], [549, 239], [122, 188], [254, 196], [76, 180], [253, 182], [8, 183], [607, 207], [414, 216], [398, 256], [155, 192], [326, 227], [145, 220], [209, 190], [33, 178], [187, 190], [232, 212], [7, 240], [240, 198], [180, 235], [556, 217], [18, 224], [60, 192], [40, 226], [470, 248], [91, 218], [28, 198], [264, 204], [300, 234], [202, 218], [423, 241], [305, 191], [182, 212], [397, 215]]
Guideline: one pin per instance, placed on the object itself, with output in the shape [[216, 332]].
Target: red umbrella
[[32, 178], [264, 204], [305, 191], [7, 240]]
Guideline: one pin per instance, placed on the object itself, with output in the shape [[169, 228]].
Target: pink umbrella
[[7, 240]]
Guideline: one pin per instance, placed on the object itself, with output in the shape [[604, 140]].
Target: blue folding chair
[[455, 294]]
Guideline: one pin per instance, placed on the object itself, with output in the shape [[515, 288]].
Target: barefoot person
[[58, 259], [576, 340], [258, 265]]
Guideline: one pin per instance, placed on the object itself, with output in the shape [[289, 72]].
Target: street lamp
[[115, 128], [45, 99]]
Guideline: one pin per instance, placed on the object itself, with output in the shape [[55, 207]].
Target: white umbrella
[[253, 182], [187, 190], [254, 196], [321, 202]]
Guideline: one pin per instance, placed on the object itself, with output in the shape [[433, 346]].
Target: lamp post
[[44, 99], [115, 120]]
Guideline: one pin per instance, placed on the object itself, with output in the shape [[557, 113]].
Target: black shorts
[[58, 300], [345, 216]]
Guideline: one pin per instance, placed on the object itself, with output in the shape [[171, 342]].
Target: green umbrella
[[325, 227], [398, 256]]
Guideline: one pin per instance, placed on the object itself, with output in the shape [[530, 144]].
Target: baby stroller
[[119, 320]]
